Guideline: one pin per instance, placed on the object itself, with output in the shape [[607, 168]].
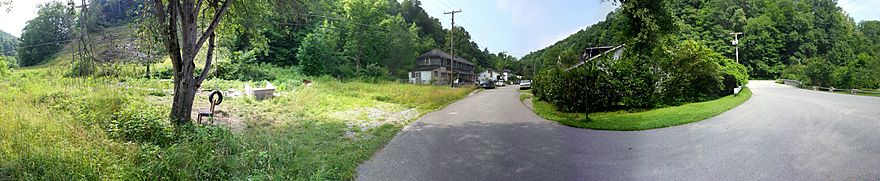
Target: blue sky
[[523, 26], [515, 26], [519, 26]]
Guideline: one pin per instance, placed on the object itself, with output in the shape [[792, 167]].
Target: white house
[[489, 74]]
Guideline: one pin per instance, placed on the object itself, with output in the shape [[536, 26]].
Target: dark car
[[486, 84]]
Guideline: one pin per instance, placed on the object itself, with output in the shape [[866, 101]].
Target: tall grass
[[56, 128]]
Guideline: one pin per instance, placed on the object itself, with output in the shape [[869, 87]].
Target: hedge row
[[681, 73]]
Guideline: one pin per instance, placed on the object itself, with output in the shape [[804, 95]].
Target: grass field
[[58, 128], [643, 120]]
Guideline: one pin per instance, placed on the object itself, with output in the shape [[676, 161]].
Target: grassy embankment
[[642, 120], [58, 128]]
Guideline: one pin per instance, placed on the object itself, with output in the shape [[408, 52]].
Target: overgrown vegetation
[[117, 129], [781, 38], [111, 122], [685, 72]]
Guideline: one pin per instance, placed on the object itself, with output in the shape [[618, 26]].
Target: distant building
[[433, 68], [489, 74]]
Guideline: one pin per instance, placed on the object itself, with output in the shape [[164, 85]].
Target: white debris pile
[[368, 118]]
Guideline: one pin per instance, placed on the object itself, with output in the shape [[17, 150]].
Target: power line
[[356, 23], [47, 43], [476, 28]]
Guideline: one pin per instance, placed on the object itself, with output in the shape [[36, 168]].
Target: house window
[[435, 73]]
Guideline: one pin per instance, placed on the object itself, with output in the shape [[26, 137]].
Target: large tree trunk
[[184, 94], [185, 16]]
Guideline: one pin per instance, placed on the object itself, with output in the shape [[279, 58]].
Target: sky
[[514, 26]]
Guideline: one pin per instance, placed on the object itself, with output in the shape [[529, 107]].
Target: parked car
[[500, 84], [486, 84], [525, 84]]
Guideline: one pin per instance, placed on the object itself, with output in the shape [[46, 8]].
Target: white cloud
[[522, 12], [550, 40], [22, 11], [861, 9]]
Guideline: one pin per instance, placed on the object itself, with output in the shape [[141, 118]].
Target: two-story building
[[433, 68]]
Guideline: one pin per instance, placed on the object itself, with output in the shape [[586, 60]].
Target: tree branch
[[213, 25], [198, 7], [208, 60], [167, 26]]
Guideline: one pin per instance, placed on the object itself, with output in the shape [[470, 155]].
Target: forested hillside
[[373, 38], [813, 41], [7, 50], [7, 44]]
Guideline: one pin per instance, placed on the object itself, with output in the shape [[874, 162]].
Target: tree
[[181, 17], [7, 4], [7, 44], [403, 42], [362, 45], [46, 34], [149, 48], [318, 55]]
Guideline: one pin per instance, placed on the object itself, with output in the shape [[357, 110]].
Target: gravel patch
[[364, 119]]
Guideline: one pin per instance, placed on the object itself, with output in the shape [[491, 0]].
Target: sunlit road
[[781, 133]]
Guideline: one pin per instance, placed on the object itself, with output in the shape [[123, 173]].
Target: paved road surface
[[781, 133]]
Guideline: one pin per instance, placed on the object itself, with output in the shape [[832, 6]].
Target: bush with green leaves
[[693, 72], [682, 73], [141, 123], [11, 61], [4, 69], [319, 54], [567, 90], [242, 66], [819, 72]]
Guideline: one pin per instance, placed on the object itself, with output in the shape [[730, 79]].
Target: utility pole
[[83, 55], [452, 45], [735, 42]]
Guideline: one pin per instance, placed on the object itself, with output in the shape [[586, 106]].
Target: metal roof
[[435, 53]]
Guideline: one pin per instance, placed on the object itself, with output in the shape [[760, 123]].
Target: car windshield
[[526, 81]]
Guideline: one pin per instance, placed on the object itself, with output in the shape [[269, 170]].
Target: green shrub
[[685, 72], [201, 153], [4, 70], [165, 73], [82, 69], [567, 90], [693, 72], [795, 72], [241, 67], [140, 123], [11, 61], [819, 72]]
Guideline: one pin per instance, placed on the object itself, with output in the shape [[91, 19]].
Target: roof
[[435, 53], [596, 52], [464, 72], [426, 67]]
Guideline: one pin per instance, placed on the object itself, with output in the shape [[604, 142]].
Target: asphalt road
[[781, 133]]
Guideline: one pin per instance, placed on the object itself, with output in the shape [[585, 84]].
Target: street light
[[735, 42]]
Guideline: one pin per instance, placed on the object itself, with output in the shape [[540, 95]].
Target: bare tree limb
[[208, 60], [213, 25], [198, 7]]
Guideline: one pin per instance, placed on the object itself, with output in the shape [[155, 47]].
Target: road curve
[[781, 133]]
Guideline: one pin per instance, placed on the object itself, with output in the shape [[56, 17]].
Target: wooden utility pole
[[83, 58], [452, 46], [735, 42]]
